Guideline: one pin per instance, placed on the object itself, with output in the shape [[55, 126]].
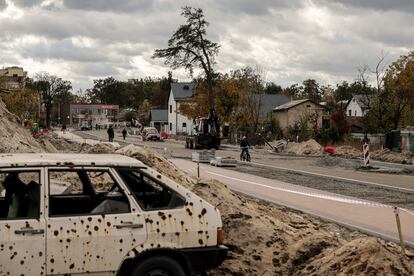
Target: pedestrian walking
[[111, 134], [124, 133]]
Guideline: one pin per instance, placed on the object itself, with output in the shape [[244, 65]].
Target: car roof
[[67, 159]]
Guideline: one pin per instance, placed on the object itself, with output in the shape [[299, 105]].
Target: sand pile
[[310, 147], [98, 148], [348, 152], [266, 239], [13, 137], [390, 156]]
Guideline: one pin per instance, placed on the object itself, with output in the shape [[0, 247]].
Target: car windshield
[[152, 131]]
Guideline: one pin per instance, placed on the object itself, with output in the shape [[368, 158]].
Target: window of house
[[170, 126], [170, 108], [308, 105], [184, 124], [350, 112], [85, 192], [355, 112], [19, 195], [149, 192]]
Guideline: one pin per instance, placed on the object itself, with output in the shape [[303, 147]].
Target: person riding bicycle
[[244, 145]]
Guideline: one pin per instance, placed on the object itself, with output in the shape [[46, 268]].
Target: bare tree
[[188, 47]]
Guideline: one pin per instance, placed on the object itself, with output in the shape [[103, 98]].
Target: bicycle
[[245, 155]]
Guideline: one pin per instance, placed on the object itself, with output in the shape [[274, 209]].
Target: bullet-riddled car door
[[91, 224], [22, 223]]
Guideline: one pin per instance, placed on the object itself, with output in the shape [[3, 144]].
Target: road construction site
[[283, 221]]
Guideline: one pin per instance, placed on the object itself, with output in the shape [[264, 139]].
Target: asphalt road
[[262, 157], [373, 218]]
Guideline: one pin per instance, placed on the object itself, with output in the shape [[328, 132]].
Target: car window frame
[[42, 201], [155, 179], [132, 207]]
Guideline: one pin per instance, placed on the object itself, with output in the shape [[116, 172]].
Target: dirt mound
[[267, 239], [348, 152], [98, 148], [13, 137], [310, 147], [364, 256], [389, 156]]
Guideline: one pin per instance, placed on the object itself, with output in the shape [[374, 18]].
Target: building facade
[[177, 122], [159, 119], [95, 114], [290, 113], [13, 77]]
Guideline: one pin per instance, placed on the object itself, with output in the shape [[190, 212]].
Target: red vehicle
[[164, 135], [150, 133]]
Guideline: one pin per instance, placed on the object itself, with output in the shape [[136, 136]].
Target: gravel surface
[[363, 191]]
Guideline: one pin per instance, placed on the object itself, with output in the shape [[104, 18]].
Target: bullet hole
[[204, 211], [189, 212], [40, 254], [96, 228], [99, 220], [72, 266], [61, 228], [200, 241], [163, 234], [10, 247], [191, 204], [177, 233], [81, 221], [182, 222], [135, 252], [52, 260], [89, 219], [67, 240], [120, 240], [90, 233], [56, 232], [108, 223], [7, 226], [21, 262], [200, 232], [169, 215]]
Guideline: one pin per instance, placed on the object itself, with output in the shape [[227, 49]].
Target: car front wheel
[[158, 266]]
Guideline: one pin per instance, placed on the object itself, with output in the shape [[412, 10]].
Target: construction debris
[[348, 152], [389, 156], [310, 147]]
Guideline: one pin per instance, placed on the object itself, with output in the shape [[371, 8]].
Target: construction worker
[[111, 134], [124, 133]]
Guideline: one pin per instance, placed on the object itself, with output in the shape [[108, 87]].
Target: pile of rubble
[[13, 137], [389, 156], [309, 147], [348, 152]]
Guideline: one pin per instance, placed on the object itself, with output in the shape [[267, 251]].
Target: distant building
[[177, 122], [96, 114], [358, 106], [291, 112], [159, 119], [268, 102], [13, 77]]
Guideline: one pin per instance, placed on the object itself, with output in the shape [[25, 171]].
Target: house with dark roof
[[178, 123], [291, 112], [159, 119], [358, 106], [268, 102]]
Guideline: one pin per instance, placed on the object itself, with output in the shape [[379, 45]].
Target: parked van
[[101, 213]]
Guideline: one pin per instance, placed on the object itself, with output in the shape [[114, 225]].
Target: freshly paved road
[[305, 164], [373, 218]]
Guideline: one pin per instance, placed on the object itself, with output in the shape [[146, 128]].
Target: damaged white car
[[104, 214]]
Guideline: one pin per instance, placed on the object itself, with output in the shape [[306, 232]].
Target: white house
[[358, 106], [178, 123]]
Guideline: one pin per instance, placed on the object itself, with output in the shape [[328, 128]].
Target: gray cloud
[[2, 4], [292, 40], [382, 5]]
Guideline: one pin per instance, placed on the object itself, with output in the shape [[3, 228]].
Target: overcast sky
[[81, 40]]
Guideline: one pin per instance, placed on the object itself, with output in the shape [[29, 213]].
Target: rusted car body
[[103, 214]]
